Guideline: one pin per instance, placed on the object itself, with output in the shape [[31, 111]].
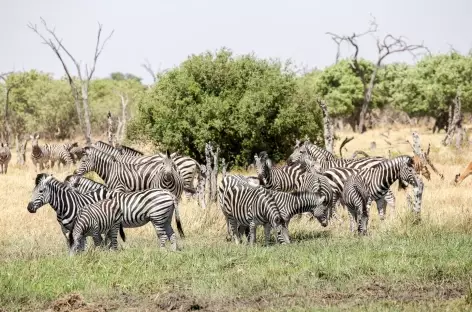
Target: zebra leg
[[112, 236], [390, 199], [171, 235], [161, 234], [381, 206], [229, 233], [64, 232], [234, 230], [364, 217], [97, 240], [252, 233]]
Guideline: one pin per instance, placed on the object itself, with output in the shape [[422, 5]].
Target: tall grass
[[398, 266]]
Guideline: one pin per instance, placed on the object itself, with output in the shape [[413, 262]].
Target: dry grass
[[323, 268]]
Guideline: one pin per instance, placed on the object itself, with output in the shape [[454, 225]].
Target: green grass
[[421, 269]]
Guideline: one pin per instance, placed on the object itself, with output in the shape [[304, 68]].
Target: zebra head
[[41, 193], [168, 167], [298, 150], [407, 173], [263, 166], [72, 180]]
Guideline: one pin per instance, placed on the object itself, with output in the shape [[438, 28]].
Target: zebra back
[[83, 184]]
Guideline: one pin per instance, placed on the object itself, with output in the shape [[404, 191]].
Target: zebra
[[250, 206], [320, 185], [188, 167], [83, 184], [152, 205], [286, 179], [364, 186], [325, 160], [124, 177], [66, 201], [122, 150], [60, 153], [103, 217], [229, 181], [39, 155], [5, 157], [76, 153]]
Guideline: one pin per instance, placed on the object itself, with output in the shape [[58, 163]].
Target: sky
[[167, 32]]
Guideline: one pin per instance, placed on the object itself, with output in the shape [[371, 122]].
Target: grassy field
[[398, 266]]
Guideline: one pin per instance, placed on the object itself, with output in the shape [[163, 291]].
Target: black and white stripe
[[39, 155], [250, 206], [66, 201], [83, 184], [376, 181], [285, 179], [103, 217], [5, 157], [121, 150], [152, 205]]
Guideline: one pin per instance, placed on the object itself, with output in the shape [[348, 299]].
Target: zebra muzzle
[[31, 208]]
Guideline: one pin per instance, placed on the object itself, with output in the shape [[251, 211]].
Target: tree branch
[[148, 67]]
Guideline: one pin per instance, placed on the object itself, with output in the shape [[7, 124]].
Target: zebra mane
[[40, 177], [127, 148], [100, 153]]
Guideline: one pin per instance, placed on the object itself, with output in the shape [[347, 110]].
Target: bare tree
[[328, 126], [110, 135], [148, 67], [122, 122], [455, 122], [387, 46], [79, 88]]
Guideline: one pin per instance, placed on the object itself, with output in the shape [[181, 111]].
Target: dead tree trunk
[[208, 150], [455, 123], [201, 186], [83, 80], [224, 167], [214, 174], [327, 126], [389, 45], [121, 129], [21, 150], [111, 140]]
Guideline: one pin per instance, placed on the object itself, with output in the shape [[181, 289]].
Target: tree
[[83, 79], [387, 46], [243, 104]]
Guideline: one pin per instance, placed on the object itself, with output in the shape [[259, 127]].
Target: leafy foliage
[[243, 104]]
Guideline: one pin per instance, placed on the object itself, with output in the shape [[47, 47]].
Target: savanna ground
[[398, 266]]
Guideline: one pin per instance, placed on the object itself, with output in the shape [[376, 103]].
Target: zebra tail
[[122, 233], [177, 218], [71, 237], [190, 190]]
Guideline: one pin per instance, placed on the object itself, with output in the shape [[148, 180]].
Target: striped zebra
[[5, 157], [103, 217], [248, 206], [66, 201], [39, 155], [366, 185], [320, 185], [59, 153], [151, 205], [168, 177], [325, 160], [285, 179], [229, 181], [124, 177], [83, 184], [76, 153], [188, 167]]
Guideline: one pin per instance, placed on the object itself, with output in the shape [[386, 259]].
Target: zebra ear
[[36, 136]]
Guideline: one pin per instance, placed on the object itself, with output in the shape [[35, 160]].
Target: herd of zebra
[[139, 189]]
